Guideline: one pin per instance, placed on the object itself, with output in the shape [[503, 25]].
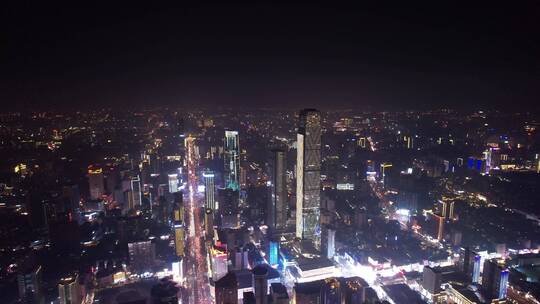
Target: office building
[[179, 239], [209, 190], [277, 208], [218, 260], [446, 207], [260, 284], [383, 171], [178, 208], [227, 205], [173, 183], [329, 242], [30, 283], [495, 279], [475, 268], [354, 290], [96, 182], [273, 252], [431, 280], [309, 292], [226, 289], [136, 195], [437, 226], [164, 292], [308, 175], [69, 290], [209, 223], [331, 291], [232, 160], [278, 293], [141, 256]]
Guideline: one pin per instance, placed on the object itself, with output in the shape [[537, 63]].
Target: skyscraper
[[30, 283], [260, 284], [141, 256], [277, 208], [96, 182], [69, 290], [232, 160], [136, 196], [446, 207], [328, 241], [227, 289], [209, 190], [308, 175], [495, 279], [179, 239], [173, 183], [331, 292]]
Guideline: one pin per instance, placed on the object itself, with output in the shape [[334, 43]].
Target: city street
[[197, 279]]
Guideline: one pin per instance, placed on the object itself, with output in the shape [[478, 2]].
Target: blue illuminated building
[[273, 253]]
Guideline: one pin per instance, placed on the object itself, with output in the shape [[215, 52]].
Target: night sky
[[265, 55]]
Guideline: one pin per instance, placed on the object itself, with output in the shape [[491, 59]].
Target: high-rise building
[[273, 252], [227, 289], [354, 290], [141, 256], [218, 259], [173, 183], [178, 208], [278, 293], [495, 279], [475, 268], [209, 223], [179, 239], [431, 280], [30, 283], [209, 190], [277, 211], [260, 284], [69, 290], [228, 213], [232, 160], [164, 292], [308, 175], [437, 226], [328, 242], [331, 291], [136, 195], [96, 182], [446, 207]]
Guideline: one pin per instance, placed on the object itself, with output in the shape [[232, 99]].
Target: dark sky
[[258, 54]]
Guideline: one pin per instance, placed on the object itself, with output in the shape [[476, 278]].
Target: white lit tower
[[209, 190], [308, 175], [232, 160]]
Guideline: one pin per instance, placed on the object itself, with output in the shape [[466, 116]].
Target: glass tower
[[209, 190], [277, 213], [232, 160], [308, 175]]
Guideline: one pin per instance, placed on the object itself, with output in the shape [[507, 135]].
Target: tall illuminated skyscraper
[[277, 208], [209, 190], [308, 175], [232, 160]]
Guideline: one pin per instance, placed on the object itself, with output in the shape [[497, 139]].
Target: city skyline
[[270, 153]]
